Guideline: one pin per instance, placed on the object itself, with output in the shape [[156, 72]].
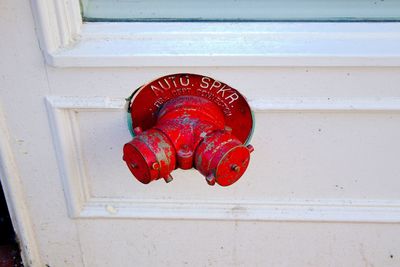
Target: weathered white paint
[[233, 44], [28, 168], [69, 43], [64, 112], [15, 197], [322, 188]]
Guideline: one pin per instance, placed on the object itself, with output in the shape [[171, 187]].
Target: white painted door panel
[[207, 243], [322, 188]]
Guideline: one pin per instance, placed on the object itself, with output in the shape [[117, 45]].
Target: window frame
[[68, 42]]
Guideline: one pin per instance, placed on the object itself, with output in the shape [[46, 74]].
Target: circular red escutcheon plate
[[149, 98]]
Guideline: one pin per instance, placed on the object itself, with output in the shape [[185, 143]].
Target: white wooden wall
[[322, 188]]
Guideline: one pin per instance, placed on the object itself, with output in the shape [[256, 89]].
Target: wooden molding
[[62, 114]]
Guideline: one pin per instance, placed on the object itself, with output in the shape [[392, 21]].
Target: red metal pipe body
[[190, 132]]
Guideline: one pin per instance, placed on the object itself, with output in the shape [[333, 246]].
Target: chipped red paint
[[188, 129]]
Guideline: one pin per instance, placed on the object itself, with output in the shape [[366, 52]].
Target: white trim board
[[67, 42], [62, 115], [15, 198], [232, 44], [375, 211]]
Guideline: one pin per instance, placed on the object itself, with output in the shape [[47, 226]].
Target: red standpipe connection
[[189, 131]]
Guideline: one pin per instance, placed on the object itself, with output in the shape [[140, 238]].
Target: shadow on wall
[[9, 249]]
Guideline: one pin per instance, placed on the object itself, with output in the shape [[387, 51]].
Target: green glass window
[[241, 10]]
